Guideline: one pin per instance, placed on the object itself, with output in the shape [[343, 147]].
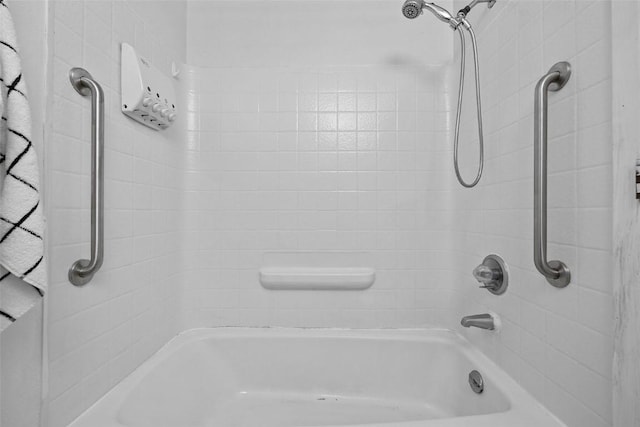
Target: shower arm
[[465, 10]]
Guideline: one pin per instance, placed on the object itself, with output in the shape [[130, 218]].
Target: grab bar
[[82, 271], [556, 272]]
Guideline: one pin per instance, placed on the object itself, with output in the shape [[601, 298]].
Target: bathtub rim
[[104, 412]]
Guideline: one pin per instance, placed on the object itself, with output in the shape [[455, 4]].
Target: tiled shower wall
[[318, 160], [299, 144], [556, 342], [100, 332]]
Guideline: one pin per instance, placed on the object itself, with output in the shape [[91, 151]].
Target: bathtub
[[273, 377]]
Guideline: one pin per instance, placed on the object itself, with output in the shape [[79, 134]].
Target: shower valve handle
[[487, 275], [492, 274]]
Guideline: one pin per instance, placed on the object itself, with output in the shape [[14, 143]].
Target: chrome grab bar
[[82, 271], [556, 272]]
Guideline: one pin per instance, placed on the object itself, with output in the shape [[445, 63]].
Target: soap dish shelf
[[299, 278]]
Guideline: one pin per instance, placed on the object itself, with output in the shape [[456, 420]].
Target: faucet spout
[[482, 321]]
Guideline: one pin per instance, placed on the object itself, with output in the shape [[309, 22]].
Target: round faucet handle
[[493, 274], [486, 274]]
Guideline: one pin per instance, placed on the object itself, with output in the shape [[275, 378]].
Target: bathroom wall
[[100, 332], [309, 131], [557, 343], [626, 137]]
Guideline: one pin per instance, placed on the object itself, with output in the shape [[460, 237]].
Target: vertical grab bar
[[556, 272], [82, 271]]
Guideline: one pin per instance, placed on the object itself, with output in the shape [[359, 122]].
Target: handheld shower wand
[[414, 8]]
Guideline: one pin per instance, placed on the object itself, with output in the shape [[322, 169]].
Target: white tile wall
[[100, 332], [557, 343], [306, 145], [315, 160]]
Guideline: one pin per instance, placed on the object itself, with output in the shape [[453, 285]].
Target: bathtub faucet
[[482, 321]]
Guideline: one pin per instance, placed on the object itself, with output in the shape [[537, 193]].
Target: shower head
[[413, 8]]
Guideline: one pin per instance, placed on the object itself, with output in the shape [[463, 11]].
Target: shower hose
[[459, 109]]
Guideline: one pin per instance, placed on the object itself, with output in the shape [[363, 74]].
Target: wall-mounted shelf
[[300, 278]]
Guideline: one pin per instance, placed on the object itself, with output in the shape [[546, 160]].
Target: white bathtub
[[231, 377]]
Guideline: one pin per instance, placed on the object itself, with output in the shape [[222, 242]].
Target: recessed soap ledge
[[300, 278]]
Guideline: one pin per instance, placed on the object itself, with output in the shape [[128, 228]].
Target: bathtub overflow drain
[[476, 382]]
